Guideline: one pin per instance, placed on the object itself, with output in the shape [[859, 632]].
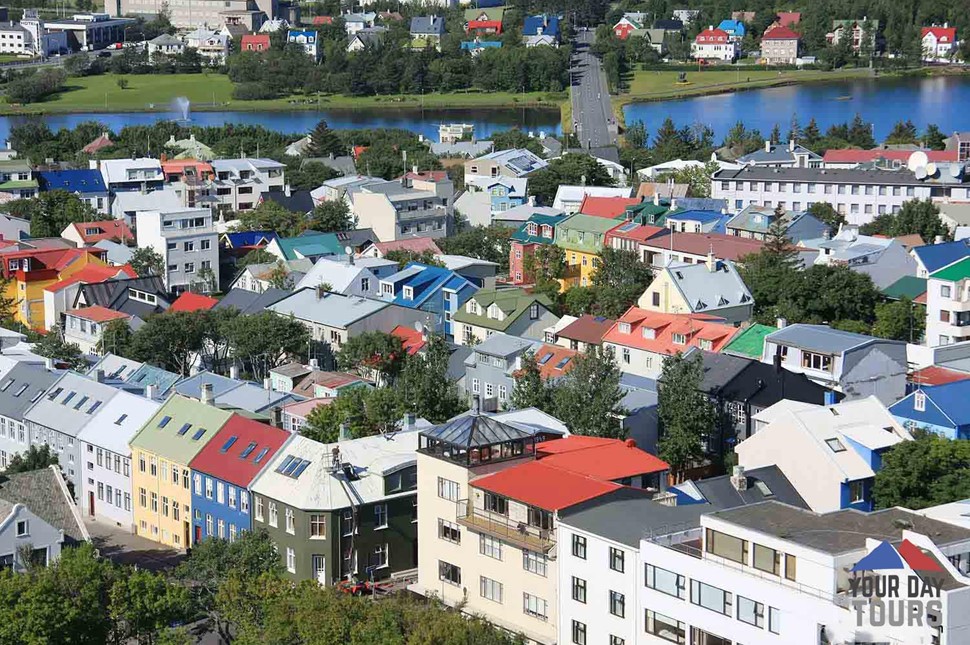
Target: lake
[[423, 122], [881, 102]]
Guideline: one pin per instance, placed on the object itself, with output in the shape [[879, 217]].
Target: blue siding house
[[222, 473], [87, 184], [433, 289], [942, 409]]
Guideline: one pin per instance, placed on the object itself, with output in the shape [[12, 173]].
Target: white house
[[187, 242], [346, 278], [569, 198], [948, 304], [714, 44], [85, 326], [939, 43], [239, 183]]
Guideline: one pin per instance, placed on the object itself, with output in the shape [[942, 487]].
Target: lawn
[[211, 91]]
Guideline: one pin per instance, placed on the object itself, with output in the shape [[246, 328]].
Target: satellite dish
[[930, 169], [917, 160], [920, 172], [956, 170]]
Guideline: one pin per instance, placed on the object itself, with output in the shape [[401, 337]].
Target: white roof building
[[347, 278]]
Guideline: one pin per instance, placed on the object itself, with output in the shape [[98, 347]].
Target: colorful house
[[939, 43], [511, 311], [733, 28], [581, 237], [539, 230], [222, 473], [161, 453], [255, 43], [428, 288]]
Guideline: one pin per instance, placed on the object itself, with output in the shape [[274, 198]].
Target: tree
[[571, 169], [32, 88], [899, 320], [256, 256], [589, 395], [687, 415], [927, 471], [143, 604], [55, 347], [330, 216], [915, 216], [361, 411], [122, 83], [902, 132], [825, 212], [271, 216], [531, 390], [279, 277], [933, 138], [51, 212], [171, 340], [547, 263], [489, 243], [325, 142], [697, 178], [265, 340], [33, 459], [425, 385], [146, 261], [636, 135], [115, 338], [373, 352]]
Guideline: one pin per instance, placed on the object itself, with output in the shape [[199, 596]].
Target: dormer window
[[472, 307], [533, 228], [547, 231], [624, 328], [919, 401], [409, 293], [387, 289], [679, 339], [494, 312], [648, 333]]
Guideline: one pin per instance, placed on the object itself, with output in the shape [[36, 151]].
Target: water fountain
[[181, 105]]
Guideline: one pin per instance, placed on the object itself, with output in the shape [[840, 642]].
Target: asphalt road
[[592, 114]]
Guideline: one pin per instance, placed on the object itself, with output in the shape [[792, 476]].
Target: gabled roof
[[763, 484], [503, 345], [44, 492], [76, 181], [428, 25], [635, 231], [243, 239], [92, 232], [190, 301], [70, 403], [781, 33], [114, 424], [146, 375], [935, 375], [750, 343], [424, 281], [554, 361], [192, 386], [115, 367], [908, 286], [587, 329], [712, 36], [948, 400], [822, 338], [256, 39], [329, 380], [706, 290], [253, 398], [412, 339], [340, 275], [93, 273], [959, 270], [733, 378], [726, 247], [114, 294], [250, 302], [549, 25], [522, 234], [692, 327], [936, 256], [942, 34], [180, 429], [607, 207], [239, 450], [309, 245], [414, 244], [513, 302], [103, 140], [331, 309]]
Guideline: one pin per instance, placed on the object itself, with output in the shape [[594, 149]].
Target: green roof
[[166, 442], [959, 270], [493, 13], [750, 342], [14, 165], [593, 229], [648, 213], [318, 244], [513, 302], [522, 234], [19, 183], [908, 286]]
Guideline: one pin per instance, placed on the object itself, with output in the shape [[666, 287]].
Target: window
[[790, 566], [616, 640], [496, 504], [534, 562], [490, 589], [290, 560], [579, 546], [664, 581], [835, 445], [448, 489], [665, 627], [534, 311], [726, 546], [490, 546], [751, 612], [767, 560], [534, 606], [774, 620], [205, 244], [23, 528], [617, 604], [449, 531], [190, 267], [379, 556], [856, 492], [232, 497], [208, 488], [616, 559], [221, 493], [449, 573], [710, 597], [290, 522], [259, 509], [579, 633], [919, 401], [944, 291], [273, 518], [811, 360], [679, 339], [154, 499], [626, 355], [142, 497], [579, 590]]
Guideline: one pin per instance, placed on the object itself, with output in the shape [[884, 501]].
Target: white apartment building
[[187, 241], [121, 175], [948, 304], [770, 573], [396, 210], [858, 194], [239, 183], [106, 458]]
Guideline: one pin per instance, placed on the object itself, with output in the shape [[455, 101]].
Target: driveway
[[120, 546]]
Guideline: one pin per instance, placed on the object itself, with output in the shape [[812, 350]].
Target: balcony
[[422, 213], [500, 526]]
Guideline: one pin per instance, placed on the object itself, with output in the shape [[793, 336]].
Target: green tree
[[589, 395], [916, 216], [51, 212], [697, 178], [279, 277], [403, 257], [33, 459], [330, 216], [489, 243], [256, 256], [927, 471], [618, 281], [373, 353], [636, 135], [515, 138], [544, 266], [172, 339], [571, 169], [54, 346], [531, 390], [825, 212], [325, 142], [900, 320], [115, 338], [361, 411], [425, 386], [687, 415], [933, 138], [903, 132], [122, 83], [265, 340], [146, 261], [143, 604], [270, 216]]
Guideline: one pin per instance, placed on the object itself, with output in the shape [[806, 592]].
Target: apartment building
[[21, 387], [239, 183], [126, 175], [490, 369], [396, 210], [188, 243], [858, 194], [185, 15], [948, 304]]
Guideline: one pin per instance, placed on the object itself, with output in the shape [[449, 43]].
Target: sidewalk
[[122, 547]]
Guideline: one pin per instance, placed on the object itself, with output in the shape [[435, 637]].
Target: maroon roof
[[587, 329], [229, 465]]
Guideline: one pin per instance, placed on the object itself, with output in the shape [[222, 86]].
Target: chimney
[[781, 323], [99, 376], [234, 372], [673, 203], [767, 146], [267, 383], [791, 145], [938, 239], [656, 197], [409, 421], [738, 479], [49, 364], [277, 418], [477, 404], [314, 364], [321, 292], [711, 261], [206, 393], [151, 391]]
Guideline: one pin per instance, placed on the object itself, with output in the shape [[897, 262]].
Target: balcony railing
[[423, 213], [497, 525]]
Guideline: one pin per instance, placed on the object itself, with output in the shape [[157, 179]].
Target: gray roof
[[706, 290], [822, 338], [333, 310], [117, 253], [901, 177], [427, 25], [720, 369], [113, 294], [41, 492], [165, 40], [192, 386], [291, 370], [779, 153], [625, 515], [720, 493], [70, 404], [253, 398], [475, 430], [840, 531], [499, 344], [35, 377], [343, 164], [115, 367], [250, 302], [461, 148]]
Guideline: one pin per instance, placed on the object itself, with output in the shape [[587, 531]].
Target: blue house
[[474, 47], [541, 25], [697, 221], [942, 409], [87, 184], [734, 28], [433, 289], [504, 193], [222, 473], [933, 257]]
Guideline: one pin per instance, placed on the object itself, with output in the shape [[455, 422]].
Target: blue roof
[[702, 216], [701, 203], [480, 44], [734, 27], [249, 238], [424, 280], [150, 375], [548, 24], [937, 256], [946, 405], [75, 181]]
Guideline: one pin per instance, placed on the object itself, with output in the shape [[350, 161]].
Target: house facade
[[239, 183], [714, 45], [779, 46], [15, 400], [188, 243], [435, 290], [511, 311], [490, 369], [582, 238], [539, 230], [939, 409], [948, 304], [714, 288], [939, 43]]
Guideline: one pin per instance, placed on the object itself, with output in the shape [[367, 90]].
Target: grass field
[[214, 92]]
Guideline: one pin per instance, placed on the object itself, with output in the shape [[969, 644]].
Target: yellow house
[[30, 271], [712, 287], [161, 481], [581, 239]]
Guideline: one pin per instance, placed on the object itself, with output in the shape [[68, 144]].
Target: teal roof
[[522, 234], [310, 245], [957, 271], [908, 286]]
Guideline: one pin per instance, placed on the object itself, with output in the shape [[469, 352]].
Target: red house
[[540, 230], [255, 43], [484, 27]]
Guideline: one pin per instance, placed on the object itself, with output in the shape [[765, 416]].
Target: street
[[592, 113]]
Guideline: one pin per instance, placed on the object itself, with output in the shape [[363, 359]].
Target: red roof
[[413, 244], [789, 18], [942, 34], [356, 151], [413, 339], [93, 232], [865, 156], [640, 233], [53, 260], [726, 247], [229, 465], [935, 375], [780, 33], [712, 36], [255, 42], [94, 273], [97, 313], [427, 175], [302, 408], [607, 207], [587, 329], [322, 20], [571, 470], [178, 166], [102, 141], [662, 327], [474, 25], [554, 361], [189, 301]]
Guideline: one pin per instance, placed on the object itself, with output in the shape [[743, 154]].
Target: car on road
[[114, 46], [104, 53]]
